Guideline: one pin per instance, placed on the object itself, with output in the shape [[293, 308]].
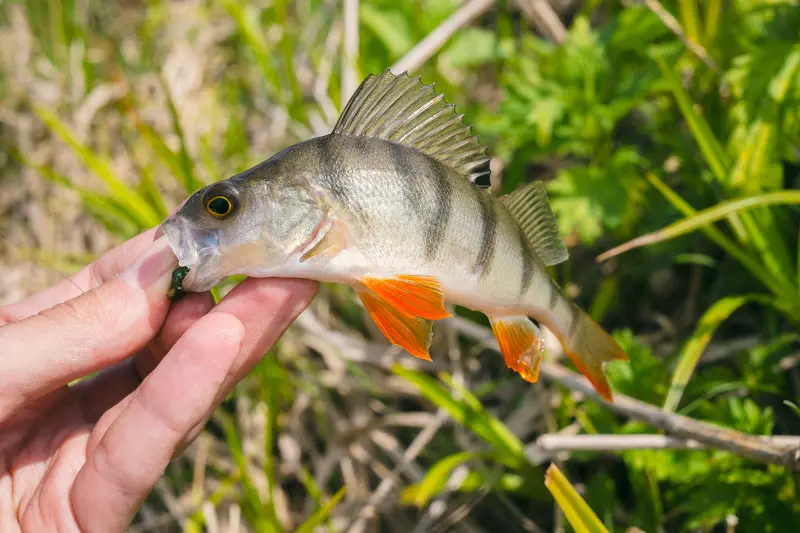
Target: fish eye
[[219, 206]]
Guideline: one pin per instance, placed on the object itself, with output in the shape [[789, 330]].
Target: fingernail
[[155, 263]]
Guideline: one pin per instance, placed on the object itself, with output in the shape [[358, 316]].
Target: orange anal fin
[[409, 332], [520, 345], [414, 295]]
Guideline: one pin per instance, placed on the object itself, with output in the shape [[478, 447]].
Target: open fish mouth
[[196, 248]]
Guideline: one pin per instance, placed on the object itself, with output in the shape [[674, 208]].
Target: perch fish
[[389, 204]]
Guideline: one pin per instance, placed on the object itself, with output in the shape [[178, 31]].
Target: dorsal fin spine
[[404, 138], [386, 133], [446, 124], [442, 143], [403, 110], [420, 129], [530, 208]]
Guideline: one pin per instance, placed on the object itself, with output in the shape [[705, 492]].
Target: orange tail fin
[[590, 347]]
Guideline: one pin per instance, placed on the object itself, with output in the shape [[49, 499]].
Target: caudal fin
[[590, 347]]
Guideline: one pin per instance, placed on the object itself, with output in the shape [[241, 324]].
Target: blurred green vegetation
[[633, 131]]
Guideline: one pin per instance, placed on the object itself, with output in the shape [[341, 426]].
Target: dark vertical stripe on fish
[[489, 236], [414, 191], [442, 208], [332, 168], [527, 262]]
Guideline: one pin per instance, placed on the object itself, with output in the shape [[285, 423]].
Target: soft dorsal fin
[[404, 110], [529, 206]]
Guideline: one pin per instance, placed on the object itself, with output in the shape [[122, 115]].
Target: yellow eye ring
[[219, 206]]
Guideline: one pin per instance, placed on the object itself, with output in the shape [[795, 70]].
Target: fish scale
[[388, 203]]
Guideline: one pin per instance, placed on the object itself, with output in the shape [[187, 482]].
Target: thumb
[[98, 328]]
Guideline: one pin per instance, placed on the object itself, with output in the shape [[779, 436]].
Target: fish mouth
[[196, 248]]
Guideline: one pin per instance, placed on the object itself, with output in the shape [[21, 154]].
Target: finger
[[95, 330], [182, 316], [266, 307], [109, 387], [132, 455], [91, 276]]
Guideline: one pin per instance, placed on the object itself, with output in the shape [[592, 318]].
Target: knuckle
[[93, 310]]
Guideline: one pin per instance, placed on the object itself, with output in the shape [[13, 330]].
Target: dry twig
[[675, 26], [350, 58], [542, 15], [713, 436], [614, 443], [438, 37]]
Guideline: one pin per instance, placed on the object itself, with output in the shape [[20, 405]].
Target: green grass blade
[[227, 487], [250, 499], [578, 513], [696, 345], [270, 368], [468, 411], [105, 209], [139, 208], [690, 19], [150, 188], [169, 158], [711, 148], [702, 219], [792, 406], [781, 290], [246, 18], [321, 514], [435, 479], [713, 16], [190, 181]]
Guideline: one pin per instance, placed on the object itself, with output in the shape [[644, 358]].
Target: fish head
[[240, 225]]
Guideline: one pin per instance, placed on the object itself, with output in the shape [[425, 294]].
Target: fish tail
[[590, 347]]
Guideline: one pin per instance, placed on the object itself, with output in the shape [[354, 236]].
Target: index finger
[[93, 275]]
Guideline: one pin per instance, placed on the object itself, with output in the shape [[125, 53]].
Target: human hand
[[84, 457]]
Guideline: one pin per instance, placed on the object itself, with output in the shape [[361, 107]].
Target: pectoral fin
[[520, 344], [414, 295], [329, 244], [412, 333]]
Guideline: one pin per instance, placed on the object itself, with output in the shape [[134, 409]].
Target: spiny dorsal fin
[[530, 208], [404, 110]]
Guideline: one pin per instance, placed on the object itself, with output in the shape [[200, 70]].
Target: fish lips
[[196, 248]]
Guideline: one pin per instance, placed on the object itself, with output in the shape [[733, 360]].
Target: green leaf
[[435, 479], [474, 46], [792, 406], [706, 217], [319, 516], [576, 510], [388, 26], [696, 345]]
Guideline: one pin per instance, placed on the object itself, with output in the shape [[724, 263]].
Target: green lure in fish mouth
[[176, 291]]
